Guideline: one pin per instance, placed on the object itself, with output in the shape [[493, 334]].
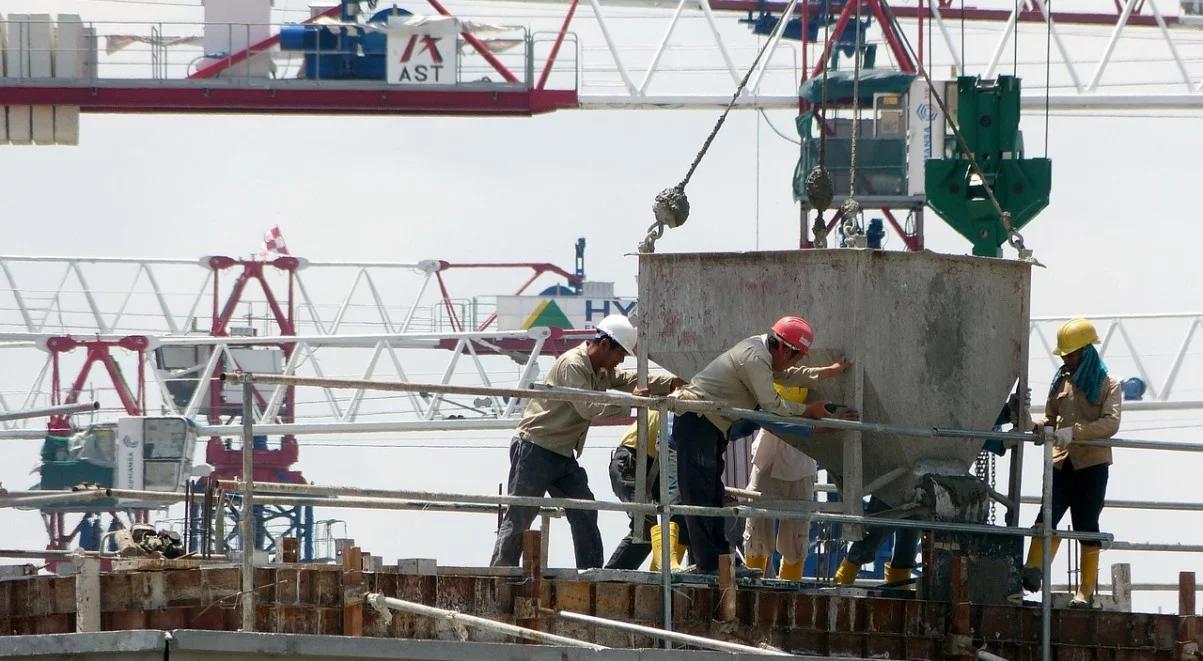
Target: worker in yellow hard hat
[[1083, 405], [779, 470]]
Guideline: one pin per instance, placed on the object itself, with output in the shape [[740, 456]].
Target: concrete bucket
[[936, 340]]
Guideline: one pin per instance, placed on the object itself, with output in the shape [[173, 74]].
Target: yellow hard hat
[[792, 393], [1075, 334]]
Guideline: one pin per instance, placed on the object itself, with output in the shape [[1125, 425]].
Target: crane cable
[[1014, 238], [671, 207]]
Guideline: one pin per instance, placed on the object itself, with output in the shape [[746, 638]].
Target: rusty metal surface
[[939, 337]]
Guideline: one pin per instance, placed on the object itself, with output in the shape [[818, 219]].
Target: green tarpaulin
[[839, 86]]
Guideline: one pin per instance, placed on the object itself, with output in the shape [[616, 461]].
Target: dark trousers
[[906, 541], [630, 554], [700, 448], [1082, 493], [535, 471]]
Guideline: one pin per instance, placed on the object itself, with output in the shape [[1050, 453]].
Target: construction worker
[[630, 554], [1083, 405], [544, 451], [902, 558], [741, 377], [779, 470]]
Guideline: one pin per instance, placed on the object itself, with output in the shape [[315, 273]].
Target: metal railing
[[252, 493]]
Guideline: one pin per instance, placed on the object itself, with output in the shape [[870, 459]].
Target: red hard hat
[[795, 332]]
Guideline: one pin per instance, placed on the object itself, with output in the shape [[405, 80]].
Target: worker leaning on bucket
[[544, 451], [742, 377], [1083, 405], [779, 470]]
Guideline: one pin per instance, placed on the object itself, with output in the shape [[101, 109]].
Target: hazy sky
[[1117, 238]]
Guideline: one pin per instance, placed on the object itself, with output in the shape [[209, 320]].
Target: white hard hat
[[618, 328]]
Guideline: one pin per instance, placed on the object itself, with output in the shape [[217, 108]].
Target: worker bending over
[[544, 451], [742, 377], [1083, 405], [630, 554], [779, 470]]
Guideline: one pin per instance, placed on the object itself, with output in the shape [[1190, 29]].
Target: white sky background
[[1117, 238]]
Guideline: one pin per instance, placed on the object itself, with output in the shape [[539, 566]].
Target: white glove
[[1063, 437]]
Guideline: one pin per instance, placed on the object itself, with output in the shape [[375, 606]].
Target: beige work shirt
[[743, 377], [561, 426], [1090, 422]]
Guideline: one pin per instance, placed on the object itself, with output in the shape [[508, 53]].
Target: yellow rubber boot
[[791, 571], [897, 575], [1090, 577], [760, 562], [679, 549], [656, 546], [1032, 572], [846, 573]]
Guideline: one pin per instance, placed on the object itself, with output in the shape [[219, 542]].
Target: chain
[[854, 234], [671, 207], [819, 189], [1014, 238]]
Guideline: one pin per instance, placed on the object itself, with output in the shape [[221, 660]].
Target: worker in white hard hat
[[1083, 405], [781, 471], [742, 377], [548, 441]]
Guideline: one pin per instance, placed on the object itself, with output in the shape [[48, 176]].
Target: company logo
[[429, 45], [129, 441], [421, 61], [924, 112]]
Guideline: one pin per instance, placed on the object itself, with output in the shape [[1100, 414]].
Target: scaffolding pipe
[[382, 603], [739, 511], [62, 409], [1137, 504], [387, 504], [693, 406], [50, 498], [686, 639], [247, 511]]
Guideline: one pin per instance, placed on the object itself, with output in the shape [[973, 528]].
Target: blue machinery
[[342, 52]]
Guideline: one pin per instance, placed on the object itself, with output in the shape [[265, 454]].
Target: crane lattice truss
[[116, 312], [144, 305], [1126, 54]]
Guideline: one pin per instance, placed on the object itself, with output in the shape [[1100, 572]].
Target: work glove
[[1044, 433], [1063, 437]]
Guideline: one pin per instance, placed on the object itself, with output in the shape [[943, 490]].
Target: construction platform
[[310, 610]]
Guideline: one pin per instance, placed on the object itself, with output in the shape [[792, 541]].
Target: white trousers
[[793, 535]]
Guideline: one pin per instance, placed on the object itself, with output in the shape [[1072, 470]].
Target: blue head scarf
[[1089, 377]]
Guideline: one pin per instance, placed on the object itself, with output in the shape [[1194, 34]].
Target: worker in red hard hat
[[742, 377], [544, 451]]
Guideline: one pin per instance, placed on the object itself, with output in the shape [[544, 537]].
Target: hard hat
[[618, 328], [792, 393], [795, 332], [1075, 334]]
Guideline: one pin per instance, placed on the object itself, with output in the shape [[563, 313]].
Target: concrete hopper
[[936, 340]]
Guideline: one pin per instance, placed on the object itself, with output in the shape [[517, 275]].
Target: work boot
[[742, 570], [656, 546], [899, 575], [791, 571], [679, 550], [846, 573], [1033, 575], [1090, 577], [760, 562]]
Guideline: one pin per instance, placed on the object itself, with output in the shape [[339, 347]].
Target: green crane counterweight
[[987, 115]]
